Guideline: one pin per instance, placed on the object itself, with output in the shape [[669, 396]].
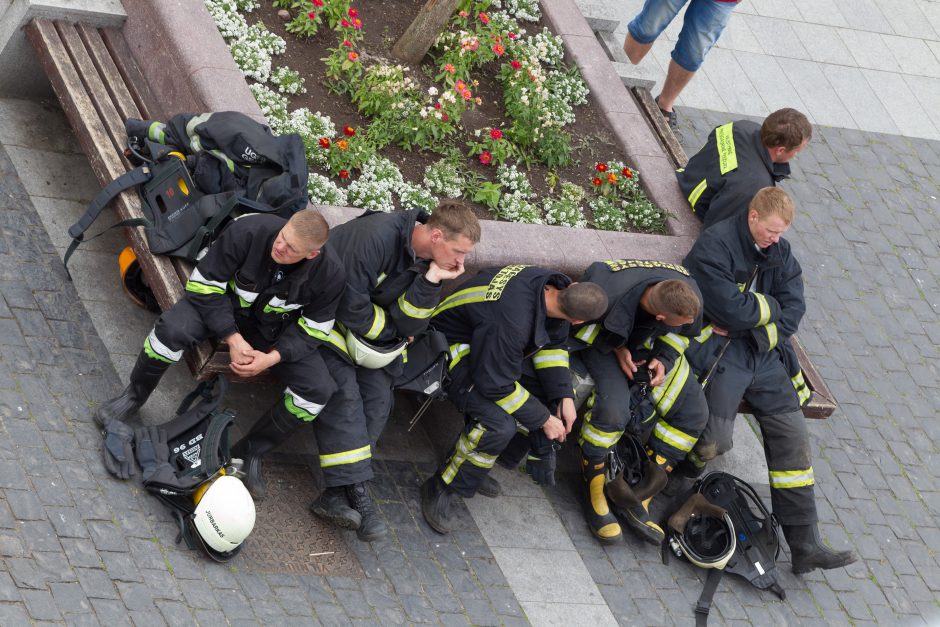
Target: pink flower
[[466, 94], [484, 17], [352, 12], [347, 43], [463, 14], [357, 24], [486, 157], [344, 23], [511, 35], [496, 133], [460, 86], [352, 56], [499, 50], [450, 69]]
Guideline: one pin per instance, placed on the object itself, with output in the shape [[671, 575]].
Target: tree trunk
[[425, 28]]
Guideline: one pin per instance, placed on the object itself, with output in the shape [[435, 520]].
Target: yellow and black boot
[[632, 502], [600, 519]]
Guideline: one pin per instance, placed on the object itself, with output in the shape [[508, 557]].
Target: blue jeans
[[704, 21]]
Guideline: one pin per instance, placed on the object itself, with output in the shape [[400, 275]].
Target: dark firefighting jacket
[[722, 177], [624, 324], [238, 286], [494, 323], [723, 260], [387, 296]]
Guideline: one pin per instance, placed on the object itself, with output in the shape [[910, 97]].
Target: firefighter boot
[[435, 503], [807, 551], [270, 431], [602, 522], [633, 506], [490, 487], [333, 506], [144, 378], [372, 526]]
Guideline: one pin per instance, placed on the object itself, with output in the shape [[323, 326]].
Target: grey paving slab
[[557, 614], [823, 43], [866, 15], [737, 91], [777, 37], [908, 19], [869, 50], [770, 81], [912, 55], [901, 103], [822, 12], [859, 99]]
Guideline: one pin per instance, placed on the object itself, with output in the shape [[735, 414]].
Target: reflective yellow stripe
[[155, 349], [588, 333], [600, 439], [791, 478], [724, 142], [466, 450], [346, 457], [279, 305], [673, 437], [199, 284], [678, 342], [301, 407], [378, 322], [550, 358], [380, 278], [463, 297], [697, 192], [513, 401], [665, 395], [458, 352], [764, 309], [413, 312], [156, 132], [337, 340], [319, 330], [705, 334], [771, 328], [802, 390]]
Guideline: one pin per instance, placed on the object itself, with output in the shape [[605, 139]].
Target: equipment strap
[[135, 177], [703, 606]]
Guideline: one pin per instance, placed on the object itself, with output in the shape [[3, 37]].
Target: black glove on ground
[[118, 453]]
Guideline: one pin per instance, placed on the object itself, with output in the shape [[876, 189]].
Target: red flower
[[357, 24], [344, 23], [349, 131], [596, 181], [444, 117], [344, 174], [601, 167], [515, 64], [484, 17], [353, 12], [311, 15], [352, 56], [511, 35], [498, 49], [324, 142], [318, 3], [486, 157], [347, 43], [496, 133], [437, 105], [627, 172]]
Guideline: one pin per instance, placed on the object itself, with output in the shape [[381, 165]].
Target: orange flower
[[611, 177], [450, 69], [627, 172], [342, 144]]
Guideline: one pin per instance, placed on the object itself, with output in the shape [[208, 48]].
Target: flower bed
[[492, 115]]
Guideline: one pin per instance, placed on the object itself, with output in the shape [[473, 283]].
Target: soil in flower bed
[[384, 21]]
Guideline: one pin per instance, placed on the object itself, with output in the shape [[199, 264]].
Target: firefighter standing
[[509, 367], [394, 263], [654, 310], [740, 158], [753, 292], [268, 290]]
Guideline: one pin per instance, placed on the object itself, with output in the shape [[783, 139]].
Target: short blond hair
[[773, 201], [311, 227], [673, 297]]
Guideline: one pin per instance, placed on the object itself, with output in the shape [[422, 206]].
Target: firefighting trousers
[[310, 383], [669, 420], [762, 380], [487, 432]]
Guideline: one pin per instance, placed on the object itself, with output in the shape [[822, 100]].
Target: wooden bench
[[99, 85]]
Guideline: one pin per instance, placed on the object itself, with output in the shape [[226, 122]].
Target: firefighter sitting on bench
[[654, 310]]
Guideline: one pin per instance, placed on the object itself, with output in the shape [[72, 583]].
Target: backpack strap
[[704, 604], [135, 177]]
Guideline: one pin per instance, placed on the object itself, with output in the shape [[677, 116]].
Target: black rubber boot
[[144, 378], [602, 522], [490, 487], [333, 506], [807, 551], [371, 527], [435, 503], [632, 502], [270, 431]]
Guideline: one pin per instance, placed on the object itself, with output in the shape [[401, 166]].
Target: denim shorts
[[704, 21]]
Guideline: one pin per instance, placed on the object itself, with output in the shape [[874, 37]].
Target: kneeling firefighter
[[634, 353]]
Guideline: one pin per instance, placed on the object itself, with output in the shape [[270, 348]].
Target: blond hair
[[311, 227], [773, 201]]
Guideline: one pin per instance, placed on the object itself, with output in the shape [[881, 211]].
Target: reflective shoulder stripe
[[514, 400], [413, 312], [727, 155], [771, 328], [199, 284], [764, 309], [378, 322], [156, 132], [791, 478], [319, 330], [697, 192], [550, 358], [346, 457], [155, 349], [588, 333], [463, 297], [705, 334], [678, 342], [458, 352]]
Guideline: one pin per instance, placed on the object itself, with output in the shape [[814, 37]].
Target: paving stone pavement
[[79, 547]]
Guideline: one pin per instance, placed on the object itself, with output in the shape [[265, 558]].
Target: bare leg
[[676, 79], [635, 50]]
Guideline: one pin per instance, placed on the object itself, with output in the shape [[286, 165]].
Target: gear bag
[[424, 370], [197, 170], [756, 535]]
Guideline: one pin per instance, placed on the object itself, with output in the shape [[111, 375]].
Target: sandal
[[670, 116]]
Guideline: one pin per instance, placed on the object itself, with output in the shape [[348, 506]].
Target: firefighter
[[654, 310], [395, 263], [752, 287], [509, 368], [740, 158], [266, 288]]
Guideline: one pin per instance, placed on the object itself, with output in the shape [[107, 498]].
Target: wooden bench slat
[[137, 85], [101, 57]]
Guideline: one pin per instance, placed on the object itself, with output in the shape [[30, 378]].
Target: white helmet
[[371, 356], [224, 517]]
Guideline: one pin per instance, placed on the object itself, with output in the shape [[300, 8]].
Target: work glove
[[118, 453], [153, 454], [540, 463]]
